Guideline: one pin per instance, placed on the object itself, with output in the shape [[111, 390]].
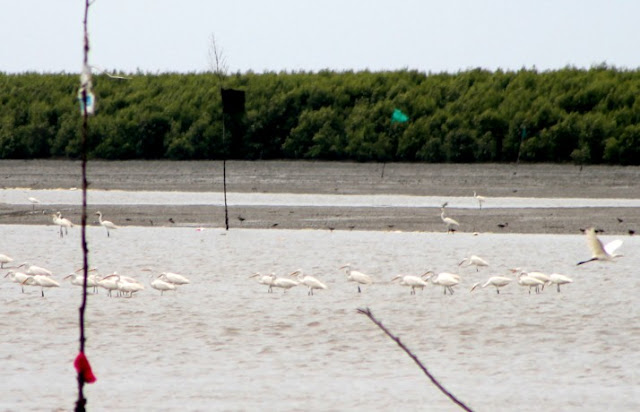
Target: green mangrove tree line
[[568, 115]]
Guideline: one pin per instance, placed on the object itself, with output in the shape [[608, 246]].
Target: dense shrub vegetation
[[583, 116]]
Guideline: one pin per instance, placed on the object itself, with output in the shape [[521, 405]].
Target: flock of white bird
[[532, 280], [127, 286], [65, 223], [27, 274]]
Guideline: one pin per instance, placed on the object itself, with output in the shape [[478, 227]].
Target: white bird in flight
[[452, 224], [414, 282], [309, 281], [473, 260], [598, 250], [357, 277], [495, 281], [107, 224]]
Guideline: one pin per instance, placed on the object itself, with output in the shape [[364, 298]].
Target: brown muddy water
[[224, 343]]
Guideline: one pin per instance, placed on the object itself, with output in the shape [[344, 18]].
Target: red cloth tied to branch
[[83, 367]]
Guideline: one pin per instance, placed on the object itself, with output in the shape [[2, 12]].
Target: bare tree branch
[[367, 312], [217, 59]]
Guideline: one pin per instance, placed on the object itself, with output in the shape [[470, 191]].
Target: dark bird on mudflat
[[171, 220], [240, 218], [619, 220]]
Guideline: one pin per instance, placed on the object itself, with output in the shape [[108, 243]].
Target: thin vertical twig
[[367, 313], [81, 402], [218, 64]]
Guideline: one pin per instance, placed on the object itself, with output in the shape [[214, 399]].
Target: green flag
[[399, 117]]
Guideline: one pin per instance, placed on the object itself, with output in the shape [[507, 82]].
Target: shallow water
[[121, 197], [224, 343]]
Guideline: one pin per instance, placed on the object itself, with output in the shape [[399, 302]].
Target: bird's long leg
[[42, 290], [358, 288], [497, 291], [558, 288]]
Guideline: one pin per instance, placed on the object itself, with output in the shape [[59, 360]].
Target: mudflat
[[489, 180]]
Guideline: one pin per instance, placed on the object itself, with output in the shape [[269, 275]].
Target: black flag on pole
[[233, 111]]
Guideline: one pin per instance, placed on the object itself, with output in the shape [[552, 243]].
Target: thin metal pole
[[224, 176], [81, 402]]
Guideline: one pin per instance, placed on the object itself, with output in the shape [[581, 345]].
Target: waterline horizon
[[18, 196]]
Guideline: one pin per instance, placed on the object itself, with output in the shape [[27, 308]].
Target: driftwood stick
[[367, 313]]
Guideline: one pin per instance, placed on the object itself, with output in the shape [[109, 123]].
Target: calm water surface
[[121, 197], [224, 343]]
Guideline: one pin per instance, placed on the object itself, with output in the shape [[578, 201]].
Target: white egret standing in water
[[17, 277], [64, 223], [357, 277], [480, 199], [527, 281], [414, 282], [495, 281], [558, 279], [309, 281], [473, 260], [34, 202], [34, 270], [265, 280], [161, 285], [444, 279], [4, 259], [284, 283], [452, 224], [175, 278], [107, 224], [41, 280]]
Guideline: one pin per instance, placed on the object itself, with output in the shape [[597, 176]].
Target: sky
[[431, 36]]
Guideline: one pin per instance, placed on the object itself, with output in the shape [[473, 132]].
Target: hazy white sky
[[274, 35]]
